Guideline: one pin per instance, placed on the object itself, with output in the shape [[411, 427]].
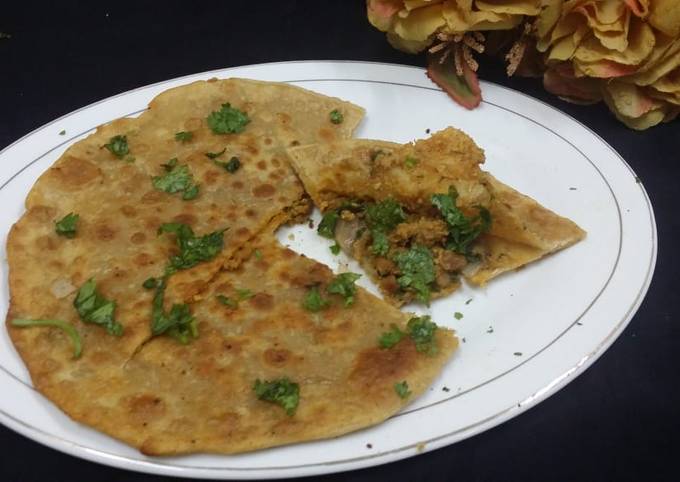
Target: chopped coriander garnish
[[67, 226], [417, 271], [336, 116], [228, 120], [215, 155], [390, 338], [244, 294], [232, 165], [327, 225], [62, 132], [227, 301], [335, 249], [176, 179], [468, 301], [463, 230], [422, 331], [177, 323], [281, 391], [258, 254], [68, 328], [343, 285], [381, 218], [458, 315], [150, 283], [184, 136], [410, 162], [193, 249], [402, 389], [314, 301], [92, 307], [118, 146]]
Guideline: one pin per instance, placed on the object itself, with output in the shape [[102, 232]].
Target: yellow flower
[[631, 46], [411, 25]]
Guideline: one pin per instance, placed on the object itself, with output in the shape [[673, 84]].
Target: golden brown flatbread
[[172, 399], [343, 178]]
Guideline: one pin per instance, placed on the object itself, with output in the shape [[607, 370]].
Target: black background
[[617, 421]]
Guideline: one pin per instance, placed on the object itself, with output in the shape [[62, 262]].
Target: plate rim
[[152, 466]]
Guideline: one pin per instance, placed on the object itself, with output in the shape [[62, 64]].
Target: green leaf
[[184, 136], [118, 146], [458, 315], [327, 225], [150, 283], [193, 250], [92, 307], [336, 116], [381, 218], [281, 391], [463, 89], [226, 301], [410, 162], [232, 165], [67, 225], [381, 244], [417, 271], [463, 230], [244, 294], [215, 155], [176, 179], [313, 301], [402, 389], [390, 338], [178, 323], [335, 249], [344, 285], [228, 120], [422, 331], [68, 328]]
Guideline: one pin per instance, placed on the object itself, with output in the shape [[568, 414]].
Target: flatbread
[[120, 210], [356, 172], [175, 399]]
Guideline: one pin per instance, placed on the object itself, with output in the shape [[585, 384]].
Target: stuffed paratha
[[419, 215]]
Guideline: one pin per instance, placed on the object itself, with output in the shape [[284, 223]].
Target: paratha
[[172, 399], [420, 215]]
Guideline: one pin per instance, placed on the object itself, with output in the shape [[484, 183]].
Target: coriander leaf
[[68, 328], [314, 302], [67, 225], [402, 389], [227, 120], [92, 307], [417, 271], [463, 230], [232, 165], [327, 225], [177, 179], [343, 285], [118, 146], [226, 301], [215, 155], [335, 249], [193, 250], [62, 132], [458, 315], [184, 136], [281, 391], [258, 254], [422, 332], [390, 338], [178, 323], [244, 294], [410, 162], [381, 218], [150, 283], [336, 116]]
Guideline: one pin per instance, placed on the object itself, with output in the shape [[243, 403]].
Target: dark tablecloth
[[617, 421]]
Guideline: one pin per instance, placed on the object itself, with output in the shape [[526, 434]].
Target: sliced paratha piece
[[134, 175], [419, 215], [286, 353]]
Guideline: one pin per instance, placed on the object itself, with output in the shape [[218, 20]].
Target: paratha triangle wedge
[[420, 215]]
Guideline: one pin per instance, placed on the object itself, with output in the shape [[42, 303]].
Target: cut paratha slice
[[420, 215], [282, 357], [133, 175]]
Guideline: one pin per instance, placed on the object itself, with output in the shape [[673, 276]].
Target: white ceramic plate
[[525, 336]]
